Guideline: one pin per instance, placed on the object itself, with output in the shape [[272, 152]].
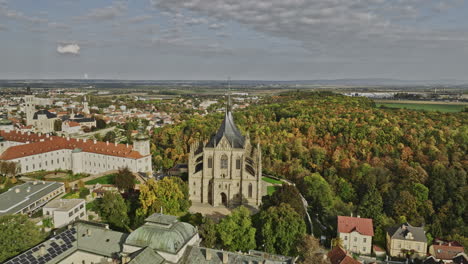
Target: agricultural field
[[426, 106]]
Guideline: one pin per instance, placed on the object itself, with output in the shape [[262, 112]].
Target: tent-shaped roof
[[228, 129]]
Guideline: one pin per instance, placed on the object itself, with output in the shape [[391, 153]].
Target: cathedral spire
[[228, 103]]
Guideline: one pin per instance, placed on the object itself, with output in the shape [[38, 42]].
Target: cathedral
[[226, 170]]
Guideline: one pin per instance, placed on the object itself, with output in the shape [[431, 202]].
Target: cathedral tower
[[29, 108], [227, 170], [85, 106]]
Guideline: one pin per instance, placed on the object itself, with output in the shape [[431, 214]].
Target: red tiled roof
[[72, 124], [347, 224], [54, 143], [377, 249], [446, 252], [349, 260], [336, 255]]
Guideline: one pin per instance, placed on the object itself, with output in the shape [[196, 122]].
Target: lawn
[[271, 189], [271, 180], [71, 195], [427, 107], [106, 179]]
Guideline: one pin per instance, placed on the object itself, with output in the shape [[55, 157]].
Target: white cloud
[[71, 48], [215, 26]]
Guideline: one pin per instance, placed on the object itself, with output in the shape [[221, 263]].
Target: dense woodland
[[348, 156]]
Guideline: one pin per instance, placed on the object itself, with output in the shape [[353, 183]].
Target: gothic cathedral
[[227, 170]]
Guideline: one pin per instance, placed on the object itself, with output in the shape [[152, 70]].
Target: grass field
[[106, 179], [272, 181], [447, 108]]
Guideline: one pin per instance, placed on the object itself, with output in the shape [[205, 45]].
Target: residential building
[[29, 197], [406, 240], [339, 255], [445, 250], [34, 152], [65, 211], [356, 234], [71, 127], [162, 239], [226, 170]]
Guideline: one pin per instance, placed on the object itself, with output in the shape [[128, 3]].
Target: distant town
[[340, 172]]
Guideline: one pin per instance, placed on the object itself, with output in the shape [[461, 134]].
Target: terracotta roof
[[54, 143], [377, 249], [447, 252], [349, 260], [336, 255], [72, 123], [347, 224]]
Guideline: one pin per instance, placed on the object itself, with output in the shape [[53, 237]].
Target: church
[[226, 170]]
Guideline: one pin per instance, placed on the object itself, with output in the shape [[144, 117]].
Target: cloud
[[330, 28], [215, 26], [139, 19], [113, 11], [71, 48]]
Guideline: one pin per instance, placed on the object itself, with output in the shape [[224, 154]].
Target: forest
[[348, 156]]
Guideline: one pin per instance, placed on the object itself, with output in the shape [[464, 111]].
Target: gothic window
[[238, 164], [250, 190], [224, 162], [210, 162]]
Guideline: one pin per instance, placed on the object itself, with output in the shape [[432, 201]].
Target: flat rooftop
[[21, 196], [64, 204]]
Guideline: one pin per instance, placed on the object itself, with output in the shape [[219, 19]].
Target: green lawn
[[71, 195], [271, 189], [427, 107], [106, 179], [272, 181]]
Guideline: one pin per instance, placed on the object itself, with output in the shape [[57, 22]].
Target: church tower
[[141, 142], [226, 170], [85, 106], [29, 108]]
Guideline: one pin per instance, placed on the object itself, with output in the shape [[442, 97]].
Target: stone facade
[[227, 170]]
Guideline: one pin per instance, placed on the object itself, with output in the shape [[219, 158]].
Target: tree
[[124, 180], [281, 229], [371, 205], [318, 193], [310, 251], [113, 209], [208, 233], [18, 233], [100, 124], [84, 192], [406, 205], [285, 194], [58, 125], [236, 231], [169, 194], [110, 137]]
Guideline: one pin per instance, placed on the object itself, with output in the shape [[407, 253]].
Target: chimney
[[358, 216], [28, 189], [225, 257], [47, 135], [29, 133], [115, 144], [85, 139], [68, 138], [40, 134], [42, 251], [208, 254], [127, 145]]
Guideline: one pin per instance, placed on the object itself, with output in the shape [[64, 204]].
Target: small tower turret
[[141, 142], [85, 106]]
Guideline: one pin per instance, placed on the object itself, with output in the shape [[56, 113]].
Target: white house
[[356, 234], [65, 211]]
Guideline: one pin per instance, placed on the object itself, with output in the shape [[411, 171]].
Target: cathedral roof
[[48, 114], [228, 129]]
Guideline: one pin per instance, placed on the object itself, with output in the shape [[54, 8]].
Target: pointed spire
[[228, 103]]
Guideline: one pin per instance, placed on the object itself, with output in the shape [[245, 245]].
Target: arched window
[[250, 190], [224, 162]]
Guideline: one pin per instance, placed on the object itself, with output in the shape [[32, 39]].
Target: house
[[445, 250], [29, 197], [339, 255], [71, 127], [162, 239], [65, 211], [460, 259], [406, 240], [356, 234]]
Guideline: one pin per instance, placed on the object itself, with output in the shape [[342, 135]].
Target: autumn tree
[[169, 195], [236, 231], [310, 251], [285, 194]]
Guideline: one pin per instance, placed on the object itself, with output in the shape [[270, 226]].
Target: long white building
[[34, 152]]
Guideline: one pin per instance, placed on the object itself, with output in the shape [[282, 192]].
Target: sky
[[243, 39]]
